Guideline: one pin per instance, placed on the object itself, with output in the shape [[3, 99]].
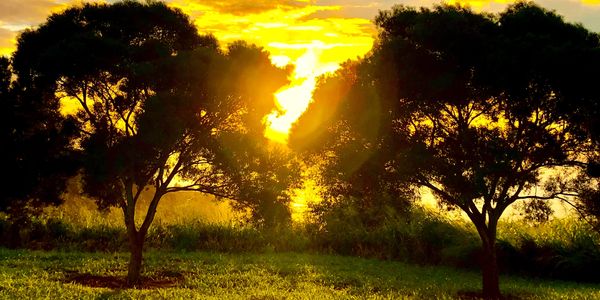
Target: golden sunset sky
[[314, 35]]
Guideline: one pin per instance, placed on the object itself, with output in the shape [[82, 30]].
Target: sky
[[314, 35], [283, 26]]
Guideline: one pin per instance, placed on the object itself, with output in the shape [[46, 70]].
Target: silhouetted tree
[[350, 166], [5, 76], [588, 189], [587, 184], [157, 104], [586, 112], [472, 106], [263, 172], [37, 153]]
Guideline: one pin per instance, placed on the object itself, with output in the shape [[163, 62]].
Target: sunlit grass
[[567, 232], [36, 275]]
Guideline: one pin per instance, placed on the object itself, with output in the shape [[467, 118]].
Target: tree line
[[474, 107]]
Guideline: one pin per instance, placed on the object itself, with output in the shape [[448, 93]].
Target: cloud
[[294, 22], [16, 15], [26, 12], [243, 7], [586, 12], [285, 28]]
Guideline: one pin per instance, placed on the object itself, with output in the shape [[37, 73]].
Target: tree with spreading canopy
[[474, 107], [158, 107]]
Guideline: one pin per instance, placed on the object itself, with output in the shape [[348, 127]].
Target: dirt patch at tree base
[[160, 280], [478, 295]]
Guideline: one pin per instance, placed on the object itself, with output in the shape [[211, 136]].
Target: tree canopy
[[36, 143]]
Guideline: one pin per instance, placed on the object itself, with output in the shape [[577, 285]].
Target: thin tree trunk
[[136, 246]]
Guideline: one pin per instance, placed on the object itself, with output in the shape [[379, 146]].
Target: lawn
[[202, 275]]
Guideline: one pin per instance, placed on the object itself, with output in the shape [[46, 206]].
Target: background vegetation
[[564, 248]]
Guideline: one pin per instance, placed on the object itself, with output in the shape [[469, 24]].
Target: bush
[[412, 236], [567, 249]]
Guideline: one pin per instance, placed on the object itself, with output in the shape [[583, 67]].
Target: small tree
[[472, 106], [157, 104]]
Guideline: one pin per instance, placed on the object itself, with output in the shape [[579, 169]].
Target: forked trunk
[[137, 237]]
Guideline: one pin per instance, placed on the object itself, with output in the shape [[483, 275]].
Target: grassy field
[[202, 275]]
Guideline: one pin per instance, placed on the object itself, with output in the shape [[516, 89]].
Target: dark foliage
[[36, 145]]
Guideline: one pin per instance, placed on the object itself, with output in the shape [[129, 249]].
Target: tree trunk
[[491, 282], [137, 237], [136, 246]]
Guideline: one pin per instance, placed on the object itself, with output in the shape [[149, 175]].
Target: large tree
[[474, 107], [37, 152], [159, 106]]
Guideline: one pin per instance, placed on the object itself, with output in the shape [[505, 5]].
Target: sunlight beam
[[293, 99]]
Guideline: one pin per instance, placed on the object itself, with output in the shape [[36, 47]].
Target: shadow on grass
[[164, 279]]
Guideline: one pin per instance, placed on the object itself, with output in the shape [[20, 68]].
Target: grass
[[28, 274]]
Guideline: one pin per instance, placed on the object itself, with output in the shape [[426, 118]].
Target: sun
[[293, 99]]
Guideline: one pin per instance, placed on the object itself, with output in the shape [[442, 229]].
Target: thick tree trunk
[[491, 282], [136, 246]]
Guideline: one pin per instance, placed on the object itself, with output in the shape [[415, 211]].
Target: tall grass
[[566, 248], [562, 248]]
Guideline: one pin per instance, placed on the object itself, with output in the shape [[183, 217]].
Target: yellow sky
[[293, 34], [314, 35]]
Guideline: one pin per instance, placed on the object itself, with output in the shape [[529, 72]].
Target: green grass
[[41, 275]]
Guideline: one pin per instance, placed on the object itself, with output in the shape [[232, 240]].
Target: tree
[[472, 106], [157, 104], [36, 145], [587, 185]]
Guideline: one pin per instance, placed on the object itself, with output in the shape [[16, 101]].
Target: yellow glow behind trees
[[293, 99], [314, 46], [293, 35]]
